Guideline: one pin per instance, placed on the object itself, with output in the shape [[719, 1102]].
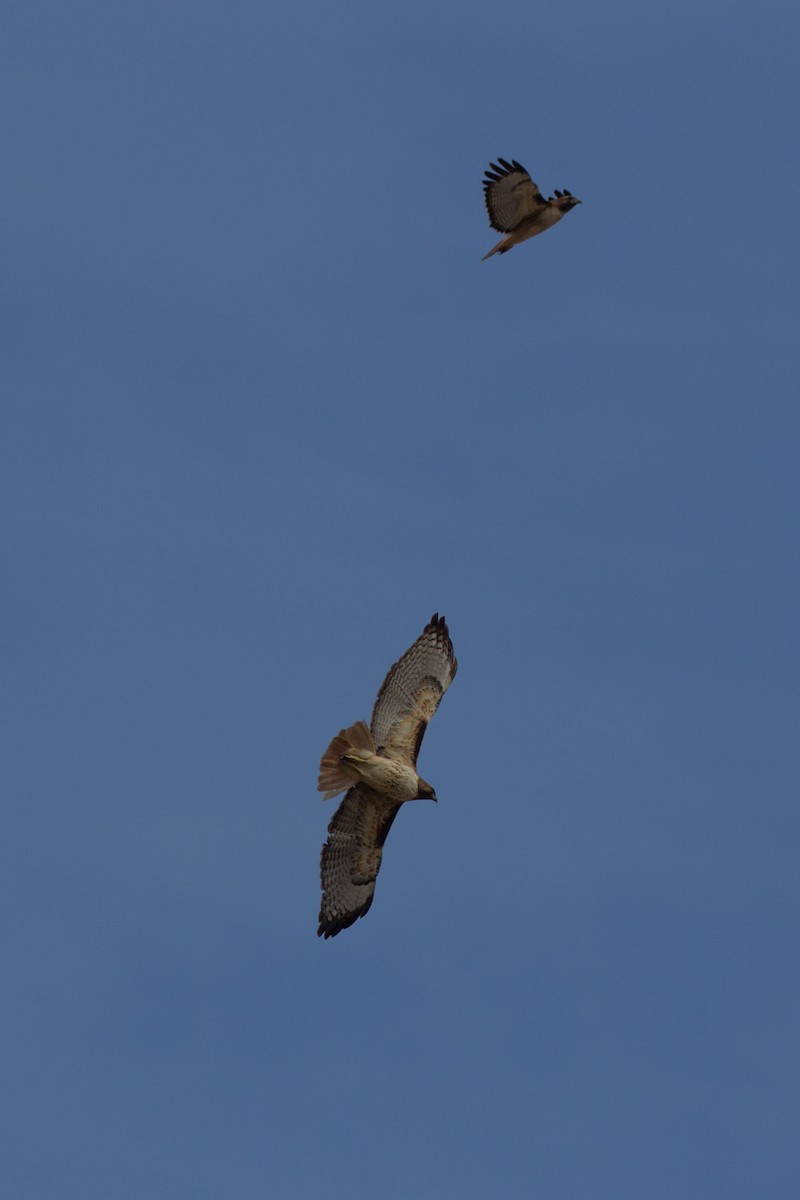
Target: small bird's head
[[425, 791], [565, 200]]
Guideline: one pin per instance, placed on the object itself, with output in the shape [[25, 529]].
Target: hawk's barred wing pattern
[[510, 195], [351, 858], [411, 692]]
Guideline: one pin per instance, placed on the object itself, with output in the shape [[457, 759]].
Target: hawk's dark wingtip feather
[[438, 624], [329, 929], [504, 168]]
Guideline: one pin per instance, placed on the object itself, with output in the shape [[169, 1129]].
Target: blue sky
[[265, 410]]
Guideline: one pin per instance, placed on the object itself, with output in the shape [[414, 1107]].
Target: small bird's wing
[[351, 857], [511, 195], [411, 693]]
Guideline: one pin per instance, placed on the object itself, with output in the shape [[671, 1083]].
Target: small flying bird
[[517, 207], [378, 767]]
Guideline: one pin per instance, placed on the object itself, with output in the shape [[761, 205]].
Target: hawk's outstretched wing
[[411, 693], [511, 195], [351, 857]]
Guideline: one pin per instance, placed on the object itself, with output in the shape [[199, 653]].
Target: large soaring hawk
[[378, 767], [517, 207]]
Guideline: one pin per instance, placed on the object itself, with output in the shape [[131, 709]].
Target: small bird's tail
[[334, 776], [500, 248]]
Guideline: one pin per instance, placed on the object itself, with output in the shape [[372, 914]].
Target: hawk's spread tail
[[334, 776]]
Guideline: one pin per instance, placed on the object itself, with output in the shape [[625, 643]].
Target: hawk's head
[[565, 200], [424, 790]]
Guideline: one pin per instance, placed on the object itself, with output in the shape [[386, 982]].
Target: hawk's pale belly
[[384, 775]]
